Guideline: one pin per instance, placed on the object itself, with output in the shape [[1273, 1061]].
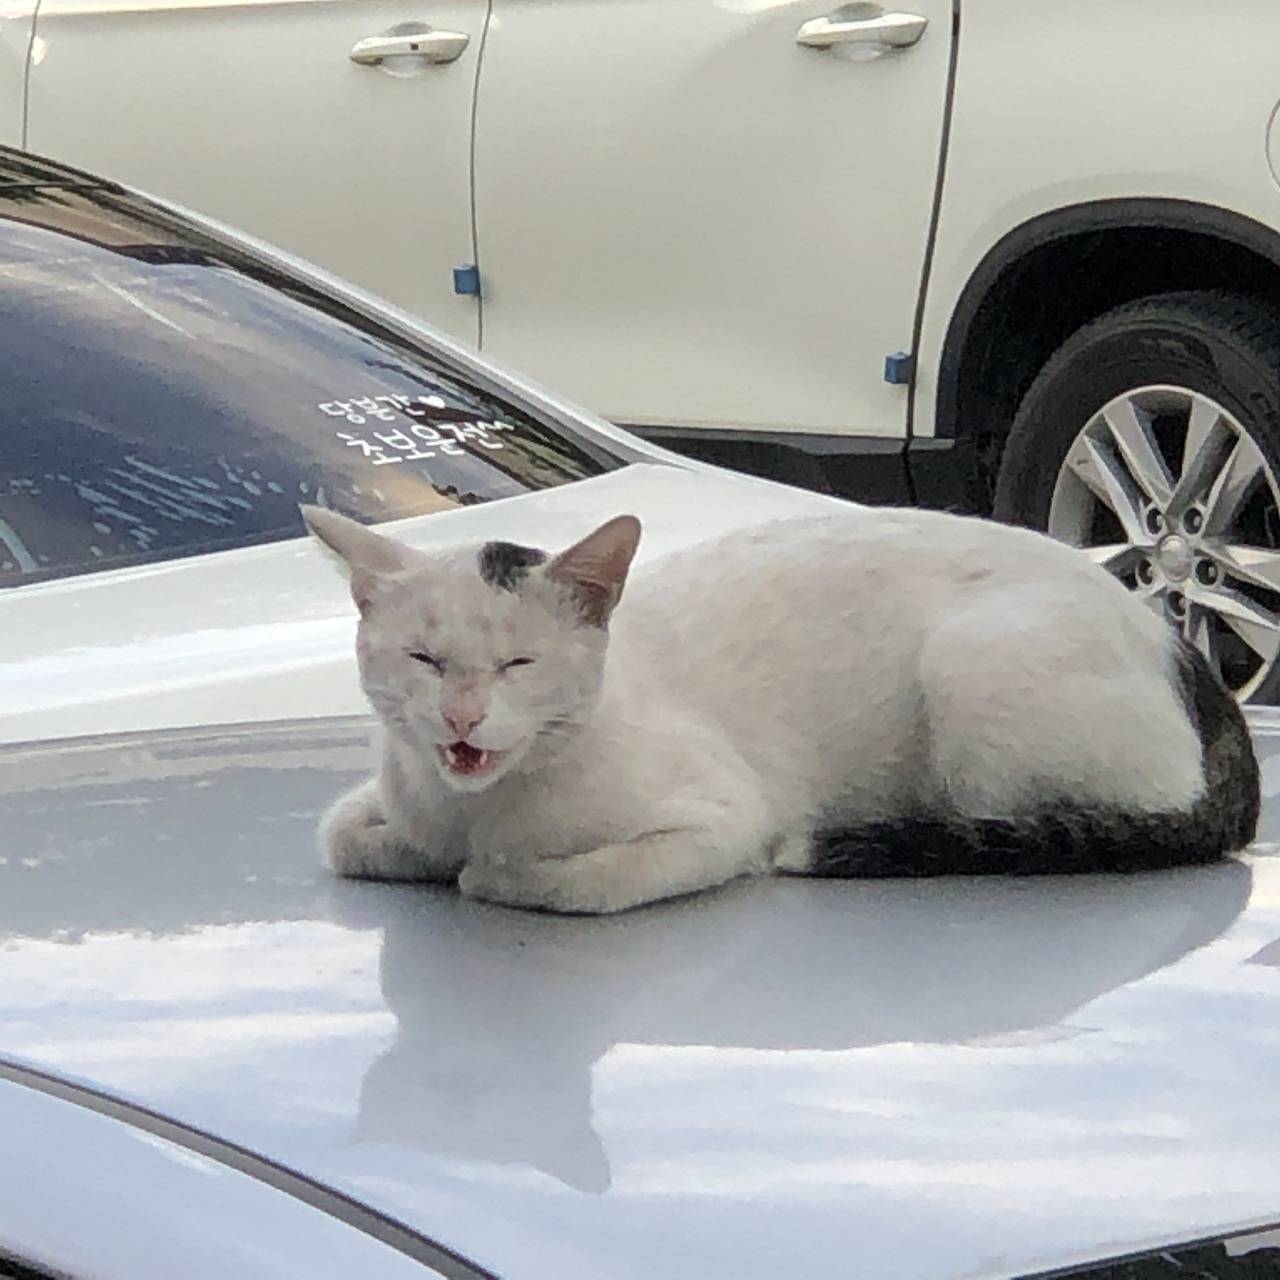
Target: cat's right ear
[[595, 569], [366, 556]]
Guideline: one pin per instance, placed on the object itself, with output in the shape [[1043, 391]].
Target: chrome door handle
[[896, 30], [431, 46]]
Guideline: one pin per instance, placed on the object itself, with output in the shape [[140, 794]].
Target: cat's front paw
[[362, 845], [372, 852], [361, 852], [585, 884]]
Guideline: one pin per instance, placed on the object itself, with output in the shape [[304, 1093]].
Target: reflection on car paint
[[1003, 1061]]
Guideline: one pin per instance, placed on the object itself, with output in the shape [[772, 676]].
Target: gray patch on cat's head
[[505, 565]]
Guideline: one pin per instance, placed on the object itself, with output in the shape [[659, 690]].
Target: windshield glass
[[165, 395]]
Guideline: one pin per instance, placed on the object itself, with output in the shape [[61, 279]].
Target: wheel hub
[[1174, 555], [1166, 488]]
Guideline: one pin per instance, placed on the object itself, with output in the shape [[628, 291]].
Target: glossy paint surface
[[96, 1197], [251, 110], [904, 1080], [685, 217]]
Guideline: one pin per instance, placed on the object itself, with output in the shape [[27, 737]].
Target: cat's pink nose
[[463, 722]]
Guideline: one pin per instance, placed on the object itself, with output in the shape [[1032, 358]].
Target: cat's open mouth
[[467, 761]]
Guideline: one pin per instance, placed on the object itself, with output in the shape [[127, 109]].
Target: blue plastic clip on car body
[[898, 367], [466, 280]]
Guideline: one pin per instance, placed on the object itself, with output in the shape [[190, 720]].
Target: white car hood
[[899, 1080], [267, 633]]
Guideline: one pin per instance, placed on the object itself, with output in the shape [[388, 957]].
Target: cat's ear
[[365, 555], [595, 569]]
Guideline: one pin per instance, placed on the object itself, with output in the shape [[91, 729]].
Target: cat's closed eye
[[429, 659], [515, 662]]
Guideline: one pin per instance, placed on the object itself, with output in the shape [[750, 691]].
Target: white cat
[[864, 693]]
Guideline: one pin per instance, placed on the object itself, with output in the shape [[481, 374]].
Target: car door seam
[[26, 74], [471, 174], [935, 217]]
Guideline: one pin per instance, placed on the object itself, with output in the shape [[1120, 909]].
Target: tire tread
[[1204, 312]]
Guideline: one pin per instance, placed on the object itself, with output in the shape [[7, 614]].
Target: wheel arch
[[1014, 310]]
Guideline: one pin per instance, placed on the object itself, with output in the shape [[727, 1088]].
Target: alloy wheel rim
[[1167, 490]]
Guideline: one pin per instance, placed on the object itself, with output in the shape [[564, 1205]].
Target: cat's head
[[479, 654]]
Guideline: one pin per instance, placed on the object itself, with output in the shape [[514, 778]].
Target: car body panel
[[726, 203], [735, 235], [953, 1078], [268, 632], [1055, 106], [160, 1202], [253, 111], [368, 171]]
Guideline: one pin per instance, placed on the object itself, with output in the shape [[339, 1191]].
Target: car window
[[164, 395]]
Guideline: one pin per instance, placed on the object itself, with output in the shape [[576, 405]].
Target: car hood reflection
[[502, 1024], [892, 1078]]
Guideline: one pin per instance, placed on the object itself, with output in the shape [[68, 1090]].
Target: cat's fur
[[863, 693]]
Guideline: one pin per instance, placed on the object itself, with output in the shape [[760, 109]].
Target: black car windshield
[[166, 395]]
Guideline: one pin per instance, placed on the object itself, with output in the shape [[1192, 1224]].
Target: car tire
[[1151, 438]]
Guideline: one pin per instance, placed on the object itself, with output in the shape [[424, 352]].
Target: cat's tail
[[1232, 783], [1073, 836]]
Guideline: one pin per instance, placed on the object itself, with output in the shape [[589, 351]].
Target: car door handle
[[896, 30], [435, 47]]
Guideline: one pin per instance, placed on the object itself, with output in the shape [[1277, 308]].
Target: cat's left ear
[[366, 555], [595, 569]]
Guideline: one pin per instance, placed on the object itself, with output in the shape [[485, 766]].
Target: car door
[[690, 216], [289, 120]]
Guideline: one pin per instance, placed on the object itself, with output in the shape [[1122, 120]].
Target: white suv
[[1016, 255]]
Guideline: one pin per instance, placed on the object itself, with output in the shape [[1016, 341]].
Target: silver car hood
[[952, 1078]]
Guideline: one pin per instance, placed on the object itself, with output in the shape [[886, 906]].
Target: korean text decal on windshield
[[433, 428]]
